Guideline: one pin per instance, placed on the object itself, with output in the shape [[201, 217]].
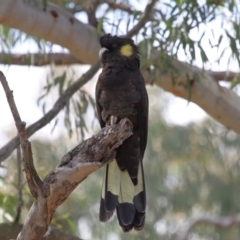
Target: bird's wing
[[99, 108], [142, 108]]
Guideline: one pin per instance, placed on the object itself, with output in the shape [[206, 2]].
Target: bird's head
[[116, 48]]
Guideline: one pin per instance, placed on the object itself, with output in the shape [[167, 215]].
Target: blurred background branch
[[218, 221]]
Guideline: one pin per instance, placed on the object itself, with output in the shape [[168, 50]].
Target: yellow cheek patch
[[126, 50]]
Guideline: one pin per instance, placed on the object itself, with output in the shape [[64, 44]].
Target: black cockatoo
[[121, 93]]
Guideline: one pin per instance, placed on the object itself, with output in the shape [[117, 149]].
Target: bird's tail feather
[[118, 191], [110, 191]]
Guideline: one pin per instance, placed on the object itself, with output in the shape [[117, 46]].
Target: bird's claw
[[113, 120], [126, 121]]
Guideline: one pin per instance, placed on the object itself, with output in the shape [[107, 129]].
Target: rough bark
[[10, 231]]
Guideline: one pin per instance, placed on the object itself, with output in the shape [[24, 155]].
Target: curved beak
[[102, 50]]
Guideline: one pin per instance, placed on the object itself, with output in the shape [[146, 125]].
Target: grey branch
[[119, 6], [226, 76], [196, 85], [74, 167], [221, 222], [38, 59], [145, 18]]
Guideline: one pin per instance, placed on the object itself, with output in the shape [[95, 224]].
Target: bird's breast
[[118, 95], [119, 101]]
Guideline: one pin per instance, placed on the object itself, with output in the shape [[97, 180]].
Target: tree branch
[[222, 222], [38, 59], [223, 75], [33, 180], [145, 18], [195, 85], [91, 13], [74, 167]]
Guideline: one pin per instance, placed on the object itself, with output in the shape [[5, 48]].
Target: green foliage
[[8, 205], [75, 109]]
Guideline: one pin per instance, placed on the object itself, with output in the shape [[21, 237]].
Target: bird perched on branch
[[121, 94]]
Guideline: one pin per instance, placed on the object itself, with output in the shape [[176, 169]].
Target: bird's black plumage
[[121, 92]]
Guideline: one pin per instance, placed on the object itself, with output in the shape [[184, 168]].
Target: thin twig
[[33, 180], [91, 13], [75, 9], [218, 221], [20, 185], [119, 6], [51, 114], [145, 18]]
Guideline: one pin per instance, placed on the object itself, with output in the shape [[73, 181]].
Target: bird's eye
[[114, 46]]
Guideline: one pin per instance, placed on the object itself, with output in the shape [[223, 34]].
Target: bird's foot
[[113, 120], [125, 121]]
